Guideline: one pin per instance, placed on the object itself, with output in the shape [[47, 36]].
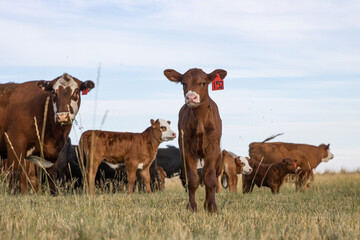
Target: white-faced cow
[[20, 105], [136, 150], [308, 156], [200, 121], [231, 166]]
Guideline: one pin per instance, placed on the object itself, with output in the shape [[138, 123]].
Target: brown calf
[[268, 175], [231, 166], [199, 119], [136, 150]]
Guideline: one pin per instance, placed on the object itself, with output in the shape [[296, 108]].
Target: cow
[[231, 166], [136, 150], [308, 156], [201, 128], [35, 121], [170, 160], [268, 175]]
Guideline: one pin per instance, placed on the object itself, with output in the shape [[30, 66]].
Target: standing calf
[[200, 121], [136, 150]]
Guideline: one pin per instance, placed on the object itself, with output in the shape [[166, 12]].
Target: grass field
[[329, 210]]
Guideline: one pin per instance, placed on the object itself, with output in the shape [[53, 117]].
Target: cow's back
[[307, 156]]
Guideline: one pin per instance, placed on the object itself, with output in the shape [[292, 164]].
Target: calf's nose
[[191, 97]]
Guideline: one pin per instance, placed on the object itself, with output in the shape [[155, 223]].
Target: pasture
[[329, 210]]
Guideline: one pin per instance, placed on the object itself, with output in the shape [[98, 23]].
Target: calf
[[231, 166], [136, 150], [308, 156], [200, 122], [268, 175]]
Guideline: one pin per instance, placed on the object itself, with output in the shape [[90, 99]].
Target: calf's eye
[[204, 83]]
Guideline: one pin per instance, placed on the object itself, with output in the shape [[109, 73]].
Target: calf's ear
[[222, 74], [173, 75], [44, 85]]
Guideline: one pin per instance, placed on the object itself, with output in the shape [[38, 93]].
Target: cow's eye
[[53, 93], [204, 83], [163, 128]]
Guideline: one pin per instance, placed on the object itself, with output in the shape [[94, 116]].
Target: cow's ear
[[328, 146], [173, 75], [87, 85], [169, 122], [222, 74], [44, 85], [155, 124]]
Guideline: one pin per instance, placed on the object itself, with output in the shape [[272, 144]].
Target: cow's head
[[164, 126], [242, 165], [326, 155], [65, 91], [195, 83], [290, 165]]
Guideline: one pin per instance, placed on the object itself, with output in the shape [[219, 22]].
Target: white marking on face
[[75, 108], [246, 169], [114, 166], [329, 156], [140, 166], [73, 86], [167, 133], [192, 99], [30, 151]]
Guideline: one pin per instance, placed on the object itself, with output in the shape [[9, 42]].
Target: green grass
[[329, 210]]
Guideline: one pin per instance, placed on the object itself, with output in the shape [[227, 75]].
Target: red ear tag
[[85, 91], [217, 83]]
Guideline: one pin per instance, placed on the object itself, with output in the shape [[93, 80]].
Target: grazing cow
[[22, 111], [231, 166], [268, 175], [136, 150], [308, 156], [162, 176], [200, 122]]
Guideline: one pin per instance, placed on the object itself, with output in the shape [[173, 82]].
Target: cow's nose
[[63, 117], [174, 135]]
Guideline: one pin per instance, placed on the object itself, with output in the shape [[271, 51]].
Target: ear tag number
[[217, 83]]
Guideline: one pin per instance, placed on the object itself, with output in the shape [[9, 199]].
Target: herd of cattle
[[36, 118]]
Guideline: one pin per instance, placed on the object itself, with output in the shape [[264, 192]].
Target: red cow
[[200, 121], [308, 156], [20, 105]]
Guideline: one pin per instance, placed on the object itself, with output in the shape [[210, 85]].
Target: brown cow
[[199, 119], [20, 105], [308, 156], [231, 166], [268, 175], [136, 150]]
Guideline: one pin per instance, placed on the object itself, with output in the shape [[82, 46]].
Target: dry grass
[[329, 210]]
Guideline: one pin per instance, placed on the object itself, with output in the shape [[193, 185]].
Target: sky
[[293, 66]]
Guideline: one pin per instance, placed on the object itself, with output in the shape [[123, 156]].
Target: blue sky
[[293, 66]]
